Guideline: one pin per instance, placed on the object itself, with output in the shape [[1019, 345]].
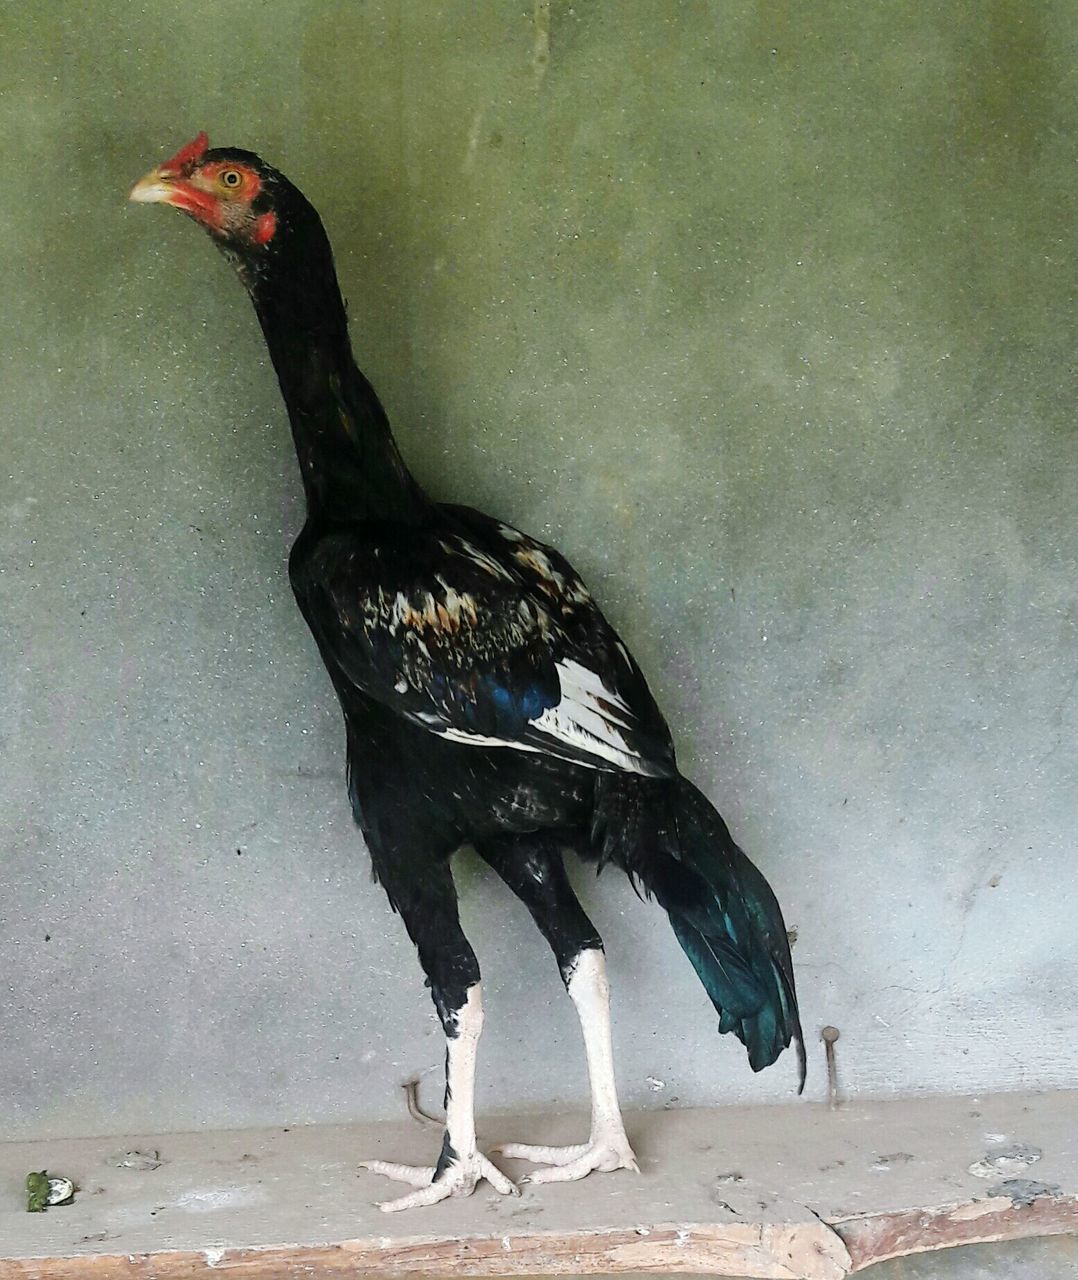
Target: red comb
[[187, 157]]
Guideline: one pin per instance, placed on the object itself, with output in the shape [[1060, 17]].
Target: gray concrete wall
[[762, 312]]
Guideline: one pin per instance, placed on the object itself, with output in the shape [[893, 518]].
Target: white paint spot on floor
[[211, 1199], [1011, 1162]]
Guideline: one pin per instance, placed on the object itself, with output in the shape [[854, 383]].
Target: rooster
[[486, 701]]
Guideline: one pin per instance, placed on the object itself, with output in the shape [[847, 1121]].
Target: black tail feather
[[723, 912]]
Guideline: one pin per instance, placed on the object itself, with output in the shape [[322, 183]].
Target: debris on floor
[[42, 1192], [142, 1160], [1012, 1160]]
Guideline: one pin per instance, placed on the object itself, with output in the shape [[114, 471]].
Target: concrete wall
[[762, 312]]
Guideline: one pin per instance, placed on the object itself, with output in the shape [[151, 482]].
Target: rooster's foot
[[604, 1153], [454, 1175]]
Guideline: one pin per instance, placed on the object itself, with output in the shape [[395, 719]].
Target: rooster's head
[[233, 194]]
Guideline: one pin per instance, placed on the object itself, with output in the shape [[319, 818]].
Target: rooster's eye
[[231, 178]]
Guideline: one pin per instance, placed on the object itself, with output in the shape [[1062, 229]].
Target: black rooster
[[486, 701]]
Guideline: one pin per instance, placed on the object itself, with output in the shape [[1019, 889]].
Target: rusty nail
[[411, 1101], [829, 1035]]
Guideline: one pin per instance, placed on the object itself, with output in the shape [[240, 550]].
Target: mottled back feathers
[[483, 636]]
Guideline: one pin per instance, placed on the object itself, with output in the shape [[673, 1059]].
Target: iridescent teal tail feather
[[671, 841]]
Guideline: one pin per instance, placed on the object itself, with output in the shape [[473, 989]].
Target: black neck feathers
[[351, 467]]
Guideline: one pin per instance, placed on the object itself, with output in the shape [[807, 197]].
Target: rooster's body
[[486, 701]]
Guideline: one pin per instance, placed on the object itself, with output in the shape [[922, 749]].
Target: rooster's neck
[[351, 467]]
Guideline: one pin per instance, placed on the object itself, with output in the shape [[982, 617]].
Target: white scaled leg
[[608, 1147], [460, 1165]]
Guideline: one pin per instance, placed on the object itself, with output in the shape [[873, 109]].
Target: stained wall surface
[[762, 312]]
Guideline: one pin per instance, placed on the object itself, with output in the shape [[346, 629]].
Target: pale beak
[[154, 188]]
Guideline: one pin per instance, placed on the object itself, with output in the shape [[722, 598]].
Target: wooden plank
[[768, 1192], [773, 1253], [878, 1237]]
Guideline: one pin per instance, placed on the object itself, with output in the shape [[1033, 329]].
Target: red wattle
[[265, 228]]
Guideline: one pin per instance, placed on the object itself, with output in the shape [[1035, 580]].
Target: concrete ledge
[[770, 1192]]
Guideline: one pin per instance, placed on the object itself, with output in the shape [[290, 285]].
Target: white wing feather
[[590, 718]]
